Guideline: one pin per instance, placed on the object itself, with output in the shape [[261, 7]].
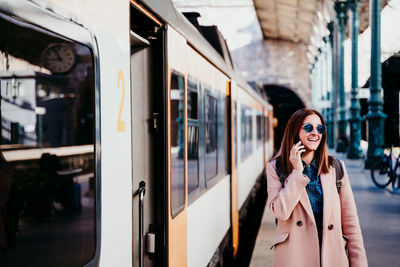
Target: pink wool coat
[[296, 238]]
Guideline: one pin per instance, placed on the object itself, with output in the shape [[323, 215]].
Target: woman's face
[[312, 139]]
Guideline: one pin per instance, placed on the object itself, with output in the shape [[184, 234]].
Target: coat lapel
[[328, 187], [305, 201]]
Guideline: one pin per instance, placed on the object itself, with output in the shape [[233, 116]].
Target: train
[[127, 137]]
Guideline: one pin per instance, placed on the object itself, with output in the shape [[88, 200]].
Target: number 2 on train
[[121, 123]]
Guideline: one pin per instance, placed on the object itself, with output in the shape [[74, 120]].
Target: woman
[[316, 225]]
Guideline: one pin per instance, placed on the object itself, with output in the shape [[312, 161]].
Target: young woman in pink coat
[[316, 225]]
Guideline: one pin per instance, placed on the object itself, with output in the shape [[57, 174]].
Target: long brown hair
[[292, 130]]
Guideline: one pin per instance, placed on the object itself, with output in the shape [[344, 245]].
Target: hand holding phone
[[295, 154]]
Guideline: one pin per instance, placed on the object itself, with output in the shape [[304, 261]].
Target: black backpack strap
[[282, 177], [339, 173]]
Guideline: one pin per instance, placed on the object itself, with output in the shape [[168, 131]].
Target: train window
[[192, 105], [260, 128], [193, 157], [211, 137], [177, 144], [246, 132], [235, 149], [193, 136], [227, 133], [243, 130], [47, 174], [250, 139]]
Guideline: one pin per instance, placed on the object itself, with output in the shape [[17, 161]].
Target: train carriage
[[126, 138]]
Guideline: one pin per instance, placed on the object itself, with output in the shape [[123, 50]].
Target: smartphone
[[296, 139]]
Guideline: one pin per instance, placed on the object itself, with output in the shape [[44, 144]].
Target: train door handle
[[142, 191]]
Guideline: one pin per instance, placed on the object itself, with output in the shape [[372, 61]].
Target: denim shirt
[[315, 195]]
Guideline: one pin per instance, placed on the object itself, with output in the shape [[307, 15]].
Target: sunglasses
[[308, 127]]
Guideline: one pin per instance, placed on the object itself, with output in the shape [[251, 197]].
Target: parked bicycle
[[384, 171]]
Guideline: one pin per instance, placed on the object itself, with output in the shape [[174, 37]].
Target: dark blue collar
[[313, 163]]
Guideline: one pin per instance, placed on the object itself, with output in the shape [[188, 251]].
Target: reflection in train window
[[266, 128], [192, 105], [193, 157], [235, 149], [246, 132], [263, 121], [260, 128], [211, 137], [227, 133], [177, 145], [48, 183], [250, 135], [193, 136]]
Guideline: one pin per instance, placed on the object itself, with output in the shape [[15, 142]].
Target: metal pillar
[[321, 82], [312, 76], [328, 81], [354, 150], [324, 74], [331, 111], [341, 18], [321, 87], [375, 117], [318, 91], [315, 83], [324, 84]]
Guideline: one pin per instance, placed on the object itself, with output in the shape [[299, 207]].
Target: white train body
[[146, 99]]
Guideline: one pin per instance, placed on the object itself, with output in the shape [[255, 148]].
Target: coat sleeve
[[282, 201], [350, 224]]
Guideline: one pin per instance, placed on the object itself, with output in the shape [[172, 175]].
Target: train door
[[177, 208], [147, 83]]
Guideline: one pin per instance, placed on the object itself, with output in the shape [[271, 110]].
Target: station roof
[[301, 21]]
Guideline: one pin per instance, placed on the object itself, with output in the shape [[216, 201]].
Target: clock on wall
[[59, 58]]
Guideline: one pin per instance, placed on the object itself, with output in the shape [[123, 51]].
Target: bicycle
[[384, 172]]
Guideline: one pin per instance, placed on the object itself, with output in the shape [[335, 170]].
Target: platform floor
[[378, 211], [262, 254]]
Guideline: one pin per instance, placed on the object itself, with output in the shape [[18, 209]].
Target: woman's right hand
[[295, 156]]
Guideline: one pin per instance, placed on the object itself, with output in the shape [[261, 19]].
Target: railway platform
[[378, 211]]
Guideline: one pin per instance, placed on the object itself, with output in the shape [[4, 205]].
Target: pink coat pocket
[[279, 239], [345, 240]]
